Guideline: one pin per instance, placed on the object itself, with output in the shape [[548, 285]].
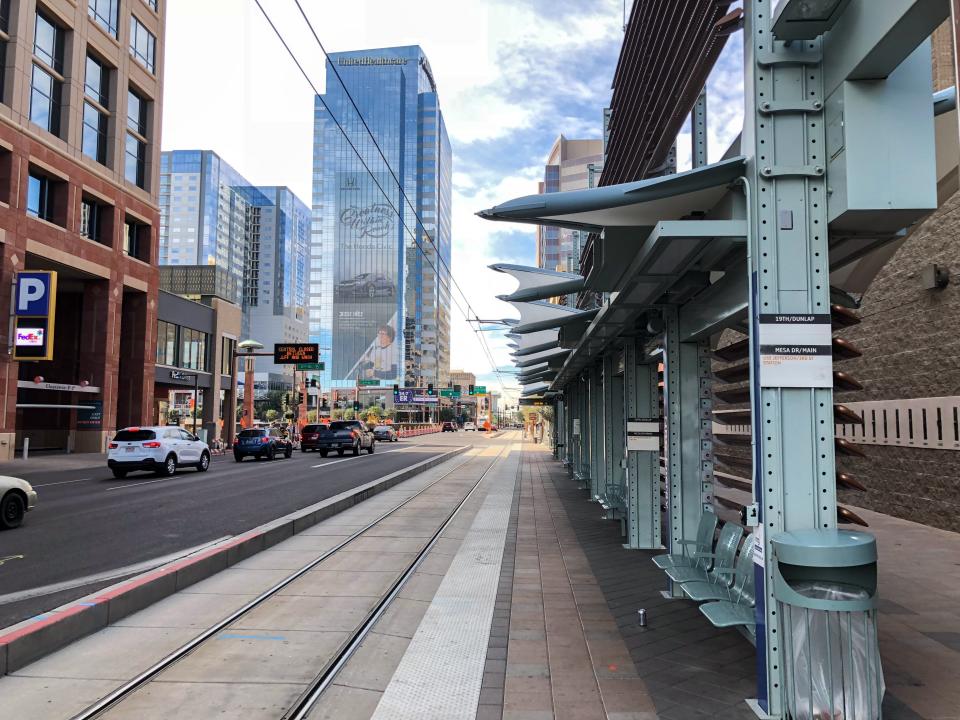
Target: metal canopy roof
[[537, 283], [636, 204], [550, 356], [537, 341], [535, 389], [539, 315]]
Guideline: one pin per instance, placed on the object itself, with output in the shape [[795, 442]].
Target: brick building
[[80, 98]]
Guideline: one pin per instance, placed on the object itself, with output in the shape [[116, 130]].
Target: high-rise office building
[[222, 236], [379, 279], [80, 111], [567, 168]]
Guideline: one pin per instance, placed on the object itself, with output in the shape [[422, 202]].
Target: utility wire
[[493, 365], [403, 194]]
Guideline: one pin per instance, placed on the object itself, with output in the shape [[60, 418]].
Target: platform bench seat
[[702, 545], [722, 559]]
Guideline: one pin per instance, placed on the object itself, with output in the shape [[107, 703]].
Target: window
[[45, 100], [136, 239], [106, 14], [97, 82], [166, 343], [152, 4], [136, 113], [227, 348], [48, 43], [89, 219], [94, 133], [143, 45], [4, 39], [193, 349], [38, 197], [136, 144]]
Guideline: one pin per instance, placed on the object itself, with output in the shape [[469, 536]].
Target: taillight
[[264, 440], [151, 444], [114, 446], [236, 441]]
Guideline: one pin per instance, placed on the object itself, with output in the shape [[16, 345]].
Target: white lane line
[[355, 457], [107, 575], [63, 482], [145, 482]]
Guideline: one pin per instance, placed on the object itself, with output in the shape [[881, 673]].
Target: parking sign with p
[[35, 303]]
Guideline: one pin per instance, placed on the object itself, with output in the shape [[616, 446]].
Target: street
[[89, 528]]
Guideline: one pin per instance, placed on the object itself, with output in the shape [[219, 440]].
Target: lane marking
[[64, 482], [107, 575], [145, 482], [10, 557], [357, 457]]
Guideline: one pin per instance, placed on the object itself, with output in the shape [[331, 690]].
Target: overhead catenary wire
[[450, 282]]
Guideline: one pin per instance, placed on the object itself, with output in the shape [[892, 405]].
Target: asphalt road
[[89, 528]]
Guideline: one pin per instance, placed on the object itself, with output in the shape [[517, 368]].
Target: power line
[[493, 365]]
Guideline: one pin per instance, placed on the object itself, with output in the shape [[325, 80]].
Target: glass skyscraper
[[255, 238], [379, 291]]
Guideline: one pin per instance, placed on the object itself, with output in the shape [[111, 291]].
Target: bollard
[[642, 617], [26, 448]]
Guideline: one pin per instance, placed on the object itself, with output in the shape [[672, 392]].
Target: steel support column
[[643, 468], [698, 130], [690, 434], [595, 418], [789, 275], [613, 436]]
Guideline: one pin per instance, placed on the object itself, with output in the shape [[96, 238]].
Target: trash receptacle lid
[[825, 548]]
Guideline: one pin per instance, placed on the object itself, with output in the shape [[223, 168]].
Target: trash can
[[825, 584]]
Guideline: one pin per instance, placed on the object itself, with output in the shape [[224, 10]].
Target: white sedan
[[16, 498], [469, 426], [161, 449]]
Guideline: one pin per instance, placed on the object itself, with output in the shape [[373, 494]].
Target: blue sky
[[511, 77]]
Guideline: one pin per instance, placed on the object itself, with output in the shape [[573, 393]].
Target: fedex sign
[[35, 303]]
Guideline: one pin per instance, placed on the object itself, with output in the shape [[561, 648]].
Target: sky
[[511, 75]]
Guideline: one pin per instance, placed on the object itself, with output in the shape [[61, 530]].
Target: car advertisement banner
[[367, 283]]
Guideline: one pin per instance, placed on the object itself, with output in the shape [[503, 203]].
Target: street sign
[[449, 392], [296, 353], [479, 390], [304, 367], [365, 382], [35, 307]]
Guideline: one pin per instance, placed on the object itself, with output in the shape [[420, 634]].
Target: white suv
[[161, 449], [469, 426]]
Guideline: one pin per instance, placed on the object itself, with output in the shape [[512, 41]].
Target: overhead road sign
[[366, 382], [35, 311], [296, 353], [449, 392], [306, 367], [478, 390]]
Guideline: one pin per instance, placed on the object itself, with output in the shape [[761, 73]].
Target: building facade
[[221, 236], [462, 378], [80, 101], [567, 168], [379, 291]]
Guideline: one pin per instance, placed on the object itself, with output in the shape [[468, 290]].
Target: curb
[[48, 632]]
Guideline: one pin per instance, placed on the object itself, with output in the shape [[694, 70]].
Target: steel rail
[[117, 696], [309, 698]]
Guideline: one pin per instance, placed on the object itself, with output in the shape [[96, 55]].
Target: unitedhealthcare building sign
[[372, 61]]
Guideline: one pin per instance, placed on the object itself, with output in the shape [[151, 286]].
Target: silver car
[[16, 498]]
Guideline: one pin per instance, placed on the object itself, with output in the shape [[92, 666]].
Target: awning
[[636, 204], [540, 315], [555, 355], [537, 283], [535, 389]]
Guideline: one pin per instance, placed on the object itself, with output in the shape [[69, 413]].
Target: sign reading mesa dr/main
[[35, 309], [293, 353]]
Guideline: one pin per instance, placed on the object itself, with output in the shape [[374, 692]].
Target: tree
[[272, 400], [271, 415]]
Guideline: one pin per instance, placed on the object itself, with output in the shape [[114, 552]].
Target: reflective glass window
[[45, 100], [136, 113], [135, 161], [94, 133], [106, 14], [48, 42], [143, 45], [96, 82]]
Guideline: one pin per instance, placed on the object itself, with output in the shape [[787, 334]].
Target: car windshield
[[311, 428], [252, 433], [382, 427], [135, 435], [343, 425]]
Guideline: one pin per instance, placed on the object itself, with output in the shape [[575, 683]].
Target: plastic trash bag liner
[[834, 670]]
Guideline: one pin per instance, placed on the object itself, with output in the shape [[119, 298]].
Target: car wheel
[[370, 449], [271, 454], [340, 452], [204, 463], [12, 510], [169, 466], [289, 452], [356, 448], [119, 474], [303, 449], [323, 453], [238, 457]]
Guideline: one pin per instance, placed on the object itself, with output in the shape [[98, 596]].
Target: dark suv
[[263, 442], [310, 435]]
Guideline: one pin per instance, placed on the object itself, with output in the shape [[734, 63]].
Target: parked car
[[469, 426], [343, 435], [17, 497], [160, 449], [309, 436], [261, 442], [449, 427], [385, 433]]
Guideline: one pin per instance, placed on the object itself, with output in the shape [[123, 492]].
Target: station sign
[[35, 306], [296, 353]]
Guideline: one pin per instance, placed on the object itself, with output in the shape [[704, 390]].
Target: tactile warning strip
[[440, 675]]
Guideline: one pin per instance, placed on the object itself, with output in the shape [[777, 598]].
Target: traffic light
[[356, 405], [430, 389], [313, 382], [324, 401], [287, 399], [470, 389], [396, 389], [299, 397], [457, 388]]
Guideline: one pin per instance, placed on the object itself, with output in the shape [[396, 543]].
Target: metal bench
[[738, 610], [742, 577], [723, 559], [703, 544]]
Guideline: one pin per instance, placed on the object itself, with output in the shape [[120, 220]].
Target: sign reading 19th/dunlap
[[291, 353]]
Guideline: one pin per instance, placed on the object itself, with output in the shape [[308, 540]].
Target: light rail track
[[307, 700]]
